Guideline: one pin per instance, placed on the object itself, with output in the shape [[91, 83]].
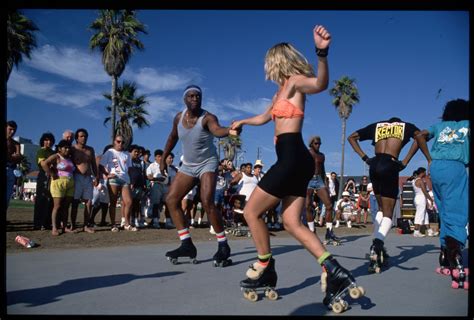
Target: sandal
[[130, 228], [115, 229]]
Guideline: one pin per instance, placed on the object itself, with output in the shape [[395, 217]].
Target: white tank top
[[418, 192], [247, 185]]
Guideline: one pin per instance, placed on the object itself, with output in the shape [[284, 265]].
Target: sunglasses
[[317, 143], [118, 141]]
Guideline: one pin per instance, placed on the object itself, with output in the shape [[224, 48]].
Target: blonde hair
[[283, 60]]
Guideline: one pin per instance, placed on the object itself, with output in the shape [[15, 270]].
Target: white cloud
[[161, 109], [158, 80], [21, 83], [72, 63], [256, 106]]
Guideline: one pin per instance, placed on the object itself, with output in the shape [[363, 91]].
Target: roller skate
[[443, 268], [330, 238], [378, 256], [260, 279], [458, 272], [187, 249], [337, 282], [222, 255], [241, 231]]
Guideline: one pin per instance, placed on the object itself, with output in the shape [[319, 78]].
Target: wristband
[[322, 52], [365, 158]]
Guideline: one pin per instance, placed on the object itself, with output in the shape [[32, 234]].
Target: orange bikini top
[[285, 109]]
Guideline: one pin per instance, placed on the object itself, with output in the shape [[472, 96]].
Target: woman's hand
[[322, 37]]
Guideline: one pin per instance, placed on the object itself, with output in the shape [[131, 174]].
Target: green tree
[[345, 95], [20, 39], [116, 36], [131, 111]]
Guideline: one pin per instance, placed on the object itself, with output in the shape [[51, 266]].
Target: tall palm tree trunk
[[114, 105], [343, 143]]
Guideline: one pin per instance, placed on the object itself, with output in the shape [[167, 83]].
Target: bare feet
[[89, 230]]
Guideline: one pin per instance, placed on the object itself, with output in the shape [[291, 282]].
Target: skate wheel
[[466, 285], [377, 269], [443, 271], [194, 261], [355, 293], [456, 273], [251, 295], [173, 261], [345, 304], [454, 284], [271, 294], [337, 307]]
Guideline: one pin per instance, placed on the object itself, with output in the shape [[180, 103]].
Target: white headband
[[192, 88]]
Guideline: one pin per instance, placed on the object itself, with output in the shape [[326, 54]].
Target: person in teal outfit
[[448, 161]]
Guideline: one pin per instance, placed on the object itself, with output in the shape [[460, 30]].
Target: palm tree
[[131, 110], [116, 36], [20, 39], [230, 145], [345, 95]]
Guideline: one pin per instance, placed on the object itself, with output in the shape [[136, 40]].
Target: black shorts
[[290, 175], [384, 172]]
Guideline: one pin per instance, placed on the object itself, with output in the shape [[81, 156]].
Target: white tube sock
[[378, 220], [329, 225], [384, 228]]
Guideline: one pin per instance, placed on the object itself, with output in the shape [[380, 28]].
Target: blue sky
[[406, 64]]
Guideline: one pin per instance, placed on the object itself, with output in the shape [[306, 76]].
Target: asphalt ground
[[139, 280]]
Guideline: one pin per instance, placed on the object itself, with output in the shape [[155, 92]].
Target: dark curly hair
[[456, 110], [47, 136]]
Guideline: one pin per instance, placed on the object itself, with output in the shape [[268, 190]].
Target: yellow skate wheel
[[355, 293], [345, 304], [337, 307], [252, 296], [271, 294]]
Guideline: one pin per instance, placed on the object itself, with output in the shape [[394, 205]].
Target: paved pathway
[[140, 281]]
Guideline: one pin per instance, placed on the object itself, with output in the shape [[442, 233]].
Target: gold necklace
[[187, 120]]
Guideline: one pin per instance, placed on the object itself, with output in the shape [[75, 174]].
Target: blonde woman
[[288, 178]]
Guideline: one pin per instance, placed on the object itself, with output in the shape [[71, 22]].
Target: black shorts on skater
[[290, 175]]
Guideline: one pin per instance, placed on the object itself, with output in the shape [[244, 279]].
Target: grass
[[21, 204], [14, 203]]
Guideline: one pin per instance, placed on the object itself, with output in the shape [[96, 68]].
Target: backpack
[[404, 226]]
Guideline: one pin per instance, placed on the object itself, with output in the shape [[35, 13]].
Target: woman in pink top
[[60, 168]]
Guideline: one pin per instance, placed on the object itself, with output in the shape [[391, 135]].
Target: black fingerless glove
[[366, 159]]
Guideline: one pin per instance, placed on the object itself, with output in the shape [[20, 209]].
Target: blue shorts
[[316, 183], [196, 171], [219, 196]]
